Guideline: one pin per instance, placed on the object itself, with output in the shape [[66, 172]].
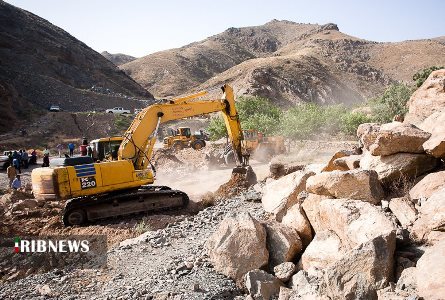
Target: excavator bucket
[[247, 173]]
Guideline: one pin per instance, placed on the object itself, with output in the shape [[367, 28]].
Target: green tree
[[350, 122], [391, 103], [254, 112], [421, 76]]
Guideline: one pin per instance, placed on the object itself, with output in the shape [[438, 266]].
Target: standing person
[[33, 160], [46, 151], [16, 183], [25, 159], [45, 160], [60, 149], [16, 164], [12, 173], [71, 147], [89, 151], [83, 148]]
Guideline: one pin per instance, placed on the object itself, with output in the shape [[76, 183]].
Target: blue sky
[[138, 27]]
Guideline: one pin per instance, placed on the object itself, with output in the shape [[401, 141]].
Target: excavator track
[[80, 210]]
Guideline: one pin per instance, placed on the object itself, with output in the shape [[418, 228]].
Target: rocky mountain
[[287, 62], [41, 64], [118, 58]]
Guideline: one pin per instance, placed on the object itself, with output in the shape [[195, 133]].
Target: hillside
[[42, 65], [118, 58], [287, 62]]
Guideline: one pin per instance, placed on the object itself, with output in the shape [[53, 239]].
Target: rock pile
[[340, 232]]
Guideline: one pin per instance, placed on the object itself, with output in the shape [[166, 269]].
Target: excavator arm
[[140, 137]]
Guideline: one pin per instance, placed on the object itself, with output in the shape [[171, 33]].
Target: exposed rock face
[[354, 222], [311, 206], [429, 98], [348, 162], [262, 285], [398, 166], [404, 210], [397, 137], [426, 187], [281, 194], [44, 65], [284, 271], [363, 270], [357, 184], [238, 246], [432, 216], [367, 133], [118, 58], [283, 243], [321, 252], [430, 272], [435, 146], [296, 218]]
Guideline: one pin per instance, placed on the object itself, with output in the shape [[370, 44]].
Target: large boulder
[[354, 222], [435, 123], [348, 162], [281, 194], [238, 246], [404, 210], [429, 98], [279, 169], [367, 133], [432, 216], [262, 285], [426, 187], [339, 154], [311, 207], [283, 243], [306, 287], [435, 146], [356, 184], [296, 218], [285, 271], [397, 137], [430, 272], [398, 166], [363, 270], [324, 250]]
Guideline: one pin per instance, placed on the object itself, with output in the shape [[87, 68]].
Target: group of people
[[17, 160], [85, 149], [22, 159]]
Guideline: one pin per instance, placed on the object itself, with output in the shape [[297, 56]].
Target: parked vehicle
[[118, 110], [4, 161], [54, 108]]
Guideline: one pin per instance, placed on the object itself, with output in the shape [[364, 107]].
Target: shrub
[[391, 103], [421, 76], [351, 120]]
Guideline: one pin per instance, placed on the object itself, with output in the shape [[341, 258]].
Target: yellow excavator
[[123, 186]]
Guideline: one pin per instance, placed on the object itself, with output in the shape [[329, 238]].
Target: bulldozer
[[97, 190], [183, 138]]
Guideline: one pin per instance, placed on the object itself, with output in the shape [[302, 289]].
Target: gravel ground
[[169, 263]]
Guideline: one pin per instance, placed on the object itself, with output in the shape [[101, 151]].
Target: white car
[[118, 110], [4, 161], [54, 108]]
